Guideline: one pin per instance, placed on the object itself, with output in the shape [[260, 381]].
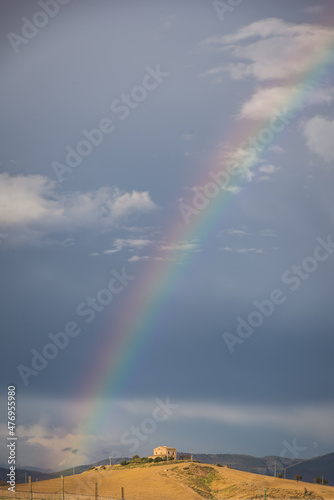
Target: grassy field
[[180, 481]]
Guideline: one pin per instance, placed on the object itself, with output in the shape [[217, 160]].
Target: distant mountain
[[308, 469], [316, 467], [23, 474], [247, 463]]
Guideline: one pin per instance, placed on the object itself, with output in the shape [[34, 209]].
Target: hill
[[21, 474], [319, 466], [247, 463], [322, 466], [181, 480]]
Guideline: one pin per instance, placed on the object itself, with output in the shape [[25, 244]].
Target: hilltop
[[181, 480]]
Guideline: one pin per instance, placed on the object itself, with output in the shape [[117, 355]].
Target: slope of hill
[[184, 481]]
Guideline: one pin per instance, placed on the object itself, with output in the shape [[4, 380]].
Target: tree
[[135, 456], [279, 475], [317, 480], [124, 462], [325, 481], [157, 459], [150, 460], [298, 478]]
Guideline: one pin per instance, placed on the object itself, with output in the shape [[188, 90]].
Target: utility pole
[[191, 454], [62, 487], [30, 488]]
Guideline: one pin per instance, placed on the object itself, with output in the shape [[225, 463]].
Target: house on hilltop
[[164, 451]]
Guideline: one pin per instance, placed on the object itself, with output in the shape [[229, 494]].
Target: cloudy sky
[[166, 227]]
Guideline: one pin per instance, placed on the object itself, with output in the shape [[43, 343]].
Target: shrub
[[279, 475], [150, 460], [298, 478], [135, 456], [124, 462], [157, 459]]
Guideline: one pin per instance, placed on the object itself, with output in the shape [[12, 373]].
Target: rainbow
[[115, 364]]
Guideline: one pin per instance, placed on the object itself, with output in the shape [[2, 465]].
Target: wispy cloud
[[182, 246], [271, 233], [278, 50], [137, 258], [131, 243], [262, 103], [242, 250], [313, 9], [273, 50], [239, 232], [276, 149]]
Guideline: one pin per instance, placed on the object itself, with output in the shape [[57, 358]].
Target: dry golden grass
[[182, 481]]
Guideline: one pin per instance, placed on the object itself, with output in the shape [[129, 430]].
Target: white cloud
[[242, 250], [33, 209], [238, 232], [264, 102], [183, 246], [269, 232], [268, 169], [120, 243], [276, 149], [232, 189], [278, 52], [319, 133], [136, 258]]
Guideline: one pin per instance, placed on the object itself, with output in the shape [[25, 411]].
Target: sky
[[166, 227]]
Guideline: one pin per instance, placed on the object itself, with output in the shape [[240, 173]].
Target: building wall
[[163, 451]]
